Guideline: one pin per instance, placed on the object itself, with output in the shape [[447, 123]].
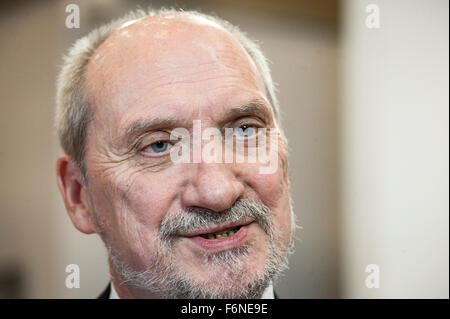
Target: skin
[[184, 70]]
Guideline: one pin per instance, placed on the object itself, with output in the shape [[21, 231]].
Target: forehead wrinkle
[[160, 78]]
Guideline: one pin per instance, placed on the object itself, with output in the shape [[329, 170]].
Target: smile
[[221, 238], [222, 233]]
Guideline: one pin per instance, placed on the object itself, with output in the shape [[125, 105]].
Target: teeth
[[222, 234]]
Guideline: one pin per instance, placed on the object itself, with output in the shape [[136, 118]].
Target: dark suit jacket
[[107, 291]]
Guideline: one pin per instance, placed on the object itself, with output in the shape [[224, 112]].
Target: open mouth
[[221, 238], [221, 233]]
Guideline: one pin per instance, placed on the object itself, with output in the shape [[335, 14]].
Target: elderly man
[[174, 229]]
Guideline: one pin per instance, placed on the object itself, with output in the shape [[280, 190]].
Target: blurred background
[[365, 108]]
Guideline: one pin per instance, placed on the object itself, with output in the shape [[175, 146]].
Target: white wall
[[27, 221], [36, 236], [394, 149]]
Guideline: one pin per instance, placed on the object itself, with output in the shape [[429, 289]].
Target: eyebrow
[[138, 127], [256, 106]]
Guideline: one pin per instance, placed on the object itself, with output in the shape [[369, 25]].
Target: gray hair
[[72, 107]]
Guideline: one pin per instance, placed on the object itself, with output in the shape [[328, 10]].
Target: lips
[[227, 236], [218, 229], [221, 233]]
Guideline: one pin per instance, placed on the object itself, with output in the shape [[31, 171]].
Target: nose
[[212, 186]]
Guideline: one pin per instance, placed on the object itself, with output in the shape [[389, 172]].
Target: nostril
[[212, 187]]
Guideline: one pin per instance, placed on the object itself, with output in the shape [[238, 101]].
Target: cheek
[[269, 188], [132, 205], [273, 191], [148, 197]]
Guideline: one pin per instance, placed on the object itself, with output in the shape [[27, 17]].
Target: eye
[[158, 147], [246, 130]]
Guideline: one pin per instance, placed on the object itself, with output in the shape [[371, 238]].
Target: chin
[[237, 273]]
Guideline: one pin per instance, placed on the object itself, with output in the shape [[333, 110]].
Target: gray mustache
[[195, 219]]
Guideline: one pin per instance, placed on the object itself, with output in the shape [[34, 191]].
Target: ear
[[74, 194]]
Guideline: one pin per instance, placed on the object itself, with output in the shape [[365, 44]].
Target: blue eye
[[246, 130], [159, 147]]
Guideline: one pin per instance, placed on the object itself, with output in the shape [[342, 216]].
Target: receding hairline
[[152, 23], [194, 18], [161, 19]]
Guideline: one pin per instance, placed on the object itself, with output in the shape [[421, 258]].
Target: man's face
[[153, 214]]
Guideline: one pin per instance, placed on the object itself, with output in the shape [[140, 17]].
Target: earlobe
[[73, 191]]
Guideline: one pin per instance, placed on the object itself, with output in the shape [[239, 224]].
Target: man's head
[[198, 229]]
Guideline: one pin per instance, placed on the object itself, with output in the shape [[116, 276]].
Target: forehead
[[162, 64]]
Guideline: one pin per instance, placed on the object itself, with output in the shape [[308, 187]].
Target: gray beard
[[166, 279]]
